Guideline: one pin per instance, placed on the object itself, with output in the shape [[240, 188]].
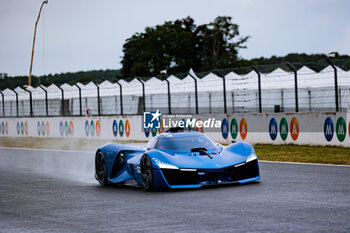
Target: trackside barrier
[[275, 128]]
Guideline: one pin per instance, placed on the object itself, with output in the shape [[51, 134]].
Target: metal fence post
[[165, 78], [30, 101], [62, 92], [259, 87], [335, 85], [80, 102], [121, 96], [17, 114], [295, 86], [3, 104], [143, 93], [195, 90], [218, 73], [46, 100], [98, 98]]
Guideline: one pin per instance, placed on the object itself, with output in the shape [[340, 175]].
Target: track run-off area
[[55, 191]]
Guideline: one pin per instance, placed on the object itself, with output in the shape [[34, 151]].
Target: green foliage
[[180, 45], [71, 78]]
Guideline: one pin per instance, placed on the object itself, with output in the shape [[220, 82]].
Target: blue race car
[[177, 159]]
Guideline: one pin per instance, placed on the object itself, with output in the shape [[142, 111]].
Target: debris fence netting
[[315, 91]]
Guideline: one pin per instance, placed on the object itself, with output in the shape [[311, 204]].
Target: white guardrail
[[267, 128]]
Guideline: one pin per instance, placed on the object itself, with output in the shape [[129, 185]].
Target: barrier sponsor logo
[[160, 130], [200, 129], [151, 120], [341, 129], [234, 128], [328, 129], [38, 127], [243, 128], [71, 128], [98, 128], [61, 128], [273, 129], [154, 132], [224, 128], [22, 128], [283, 129], [147, 131], [18, 128], [43, 128], [127, 128], [115, 128], [121, 128], [47, 128], [6, 128], [294, 128], [2, 128], [87, 128], [183, 123], [66, 128], [92, 128], [26, 128]]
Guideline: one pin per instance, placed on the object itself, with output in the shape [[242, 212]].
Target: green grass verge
[[305, 154], [289, 153]]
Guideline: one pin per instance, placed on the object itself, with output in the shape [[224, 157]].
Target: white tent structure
[[316, 92]]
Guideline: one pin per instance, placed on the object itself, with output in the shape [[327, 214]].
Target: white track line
[[263, 161]]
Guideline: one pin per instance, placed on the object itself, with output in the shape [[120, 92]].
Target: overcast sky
[[75, 35]]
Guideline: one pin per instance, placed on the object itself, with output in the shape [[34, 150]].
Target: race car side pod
[[46, 100], [30, 101], [98, 98], [259, 86], [196, 90], [121, 96], [16, 100], [3, 104], [219, 74], [80, 103], [295, 86]]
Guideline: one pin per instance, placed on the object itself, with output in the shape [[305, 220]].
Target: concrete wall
[[274, 128]]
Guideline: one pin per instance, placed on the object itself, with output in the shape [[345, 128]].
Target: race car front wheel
[[146, 172], [101, 171]]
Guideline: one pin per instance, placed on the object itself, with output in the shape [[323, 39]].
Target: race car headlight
[[163, 165], [251, 157]]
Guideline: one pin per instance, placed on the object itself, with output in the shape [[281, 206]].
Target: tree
[[218, 47], [180, 45]]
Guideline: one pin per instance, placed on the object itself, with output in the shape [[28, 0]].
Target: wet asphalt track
[[290, 198]]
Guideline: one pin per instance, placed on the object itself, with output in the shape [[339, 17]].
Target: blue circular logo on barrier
[[87, 129], [115, 128], [147, 131], [224, 128], [38, 127], [1, 129], [18, 128], [184, 123], [61, 128], [273, 129], [328, 129]]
